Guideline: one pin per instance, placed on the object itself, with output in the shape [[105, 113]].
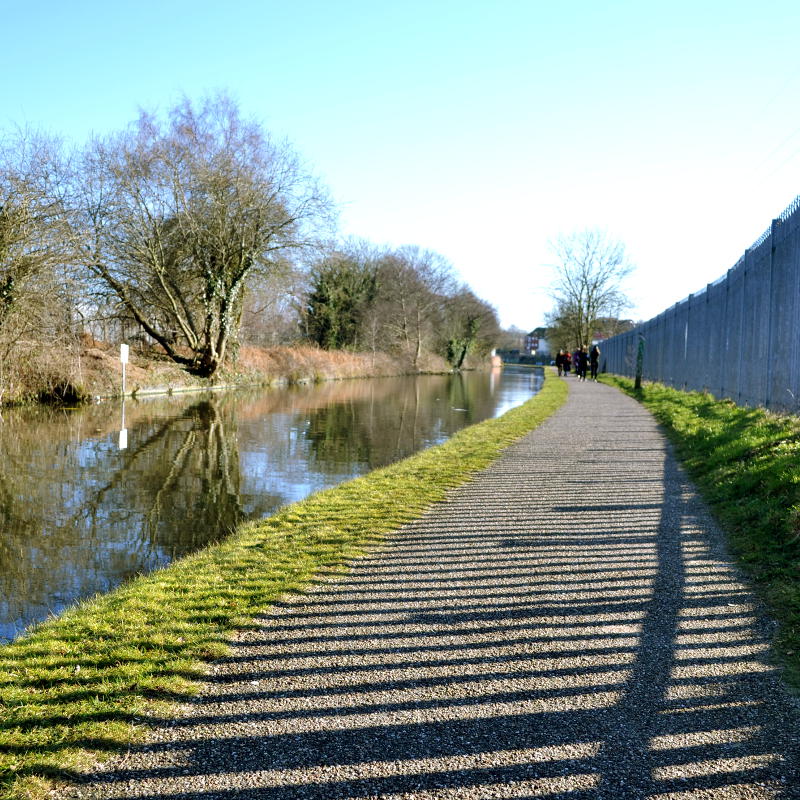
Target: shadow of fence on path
[[528, 648]]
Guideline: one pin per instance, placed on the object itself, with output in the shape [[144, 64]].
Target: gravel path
[[567, 625]]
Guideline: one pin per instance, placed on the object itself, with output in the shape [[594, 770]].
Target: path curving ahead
[[567, 625]]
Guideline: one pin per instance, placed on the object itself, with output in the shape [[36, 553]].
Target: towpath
[[567, 625]]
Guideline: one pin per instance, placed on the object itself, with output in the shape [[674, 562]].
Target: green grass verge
[[746, 464], [77, 686]]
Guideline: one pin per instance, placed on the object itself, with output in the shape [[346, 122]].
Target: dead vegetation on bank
[[92, 369]]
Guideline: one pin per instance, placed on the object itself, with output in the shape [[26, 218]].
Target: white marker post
[[123, 433], [123, 357]]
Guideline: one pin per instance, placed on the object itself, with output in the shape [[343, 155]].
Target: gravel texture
[[568, 624]]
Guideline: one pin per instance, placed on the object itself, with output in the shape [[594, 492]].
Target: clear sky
[[478, 129]]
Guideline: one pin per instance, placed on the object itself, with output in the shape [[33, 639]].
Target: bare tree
[[512, 338], [40, 311], [589, 274], [34, 230], [412, 289], [269, 313], [180, 212]]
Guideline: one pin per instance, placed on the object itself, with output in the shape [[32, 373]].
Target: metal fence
[[739, 337]]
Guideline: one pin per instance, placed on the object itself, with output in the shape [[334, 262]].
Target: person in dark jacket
[[581, 359], [594, 361], [560, 362]]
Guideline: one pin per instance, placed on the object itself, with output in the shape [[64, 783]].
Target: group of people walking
[[579, 361]]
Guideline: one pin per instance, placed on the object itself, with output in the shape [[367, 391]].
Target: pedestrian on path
[[594, 361], [581, 362], [560, 359]]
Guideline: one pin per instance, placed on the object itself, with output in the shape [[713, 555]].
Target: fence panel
[[714, 334], [784, 328], [732, 374]]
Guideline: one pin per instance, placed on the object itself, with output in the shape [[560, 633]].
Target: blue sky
[[481, 130]]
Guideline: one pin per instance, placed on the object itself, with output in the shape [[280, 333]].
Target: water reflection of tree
[[460, 397], [80, 518], [189, 470], [419, 413]]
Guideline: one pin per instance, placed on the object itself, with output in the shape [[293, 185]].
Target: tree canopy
[[406, 300], [177, 214], [343, 289], [35, 235]]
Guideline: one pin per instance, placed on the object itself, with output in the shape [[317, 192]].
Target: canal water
[[84, 506]]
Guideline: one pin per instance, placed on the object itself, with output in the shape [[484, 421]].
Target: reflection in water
[[79, 515]]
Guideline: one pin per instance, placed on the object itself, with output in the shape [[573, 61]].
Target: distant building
[[536, 343]]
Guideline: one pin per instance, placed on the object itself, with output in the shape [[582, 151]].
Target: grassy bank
[[81, 685], [746, 464]]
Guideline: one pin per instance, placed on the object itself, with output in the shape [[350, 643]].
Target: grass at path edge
[[80, 686], [745, 463]]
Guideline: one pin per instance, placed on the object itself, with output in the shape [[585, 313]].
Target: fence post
[[639, 362]]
